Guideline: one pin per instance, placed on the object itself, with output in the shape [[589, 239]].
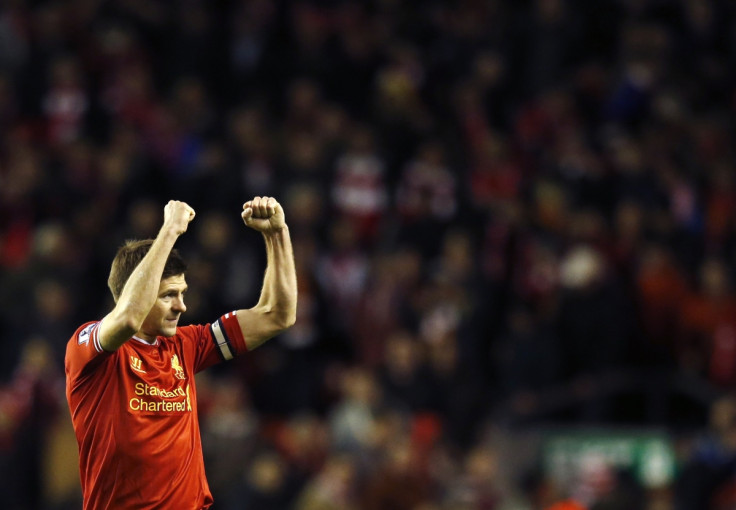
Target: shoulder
[[84, 351], [84, 333]]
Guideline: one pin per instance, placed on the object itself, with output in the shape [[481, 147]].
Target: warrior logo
[[136, 364], [176, 366]]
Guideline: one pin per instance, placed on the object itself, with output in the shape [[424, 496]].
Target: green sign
[[649, 455]]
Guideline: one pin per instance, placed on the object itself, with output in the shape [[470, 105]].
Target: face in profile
[[166, 311]]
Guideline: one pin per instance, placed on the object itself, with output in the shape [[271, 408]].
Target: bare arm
[[276, 308], [140, 291]]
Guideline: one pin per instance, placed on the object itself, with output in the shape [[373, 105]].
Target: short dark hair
[[128, 257]]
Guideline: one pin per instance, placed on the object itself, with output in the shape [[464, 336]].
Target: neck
[[143, 338]]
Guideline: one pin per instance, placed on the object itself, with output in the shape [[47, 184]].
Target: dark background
[[509, 218]]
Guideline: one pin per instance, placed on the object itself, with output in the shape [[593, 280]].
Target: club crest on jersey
[[177, 368], [136, 364]]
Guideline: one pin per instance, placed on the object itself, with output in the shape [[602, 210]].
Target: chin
[[168, 332]]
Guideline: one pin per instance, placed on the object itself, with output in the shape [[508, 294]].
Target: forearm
[[140, 291], [138, 295], [276, 307], [279, 292]]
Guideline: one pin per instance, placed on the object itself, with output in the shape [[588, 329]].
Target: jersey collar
[[146, 342]]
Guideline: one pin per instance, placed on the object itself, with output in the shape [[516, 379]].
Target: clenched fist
[[177, 216], [264, 214]]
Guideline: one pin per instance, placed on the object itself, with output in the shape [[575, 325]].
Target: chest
[[155, 379], [158, 362]]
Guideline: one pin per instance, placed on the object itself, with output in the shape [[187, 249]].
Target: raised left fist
[[264, 214]]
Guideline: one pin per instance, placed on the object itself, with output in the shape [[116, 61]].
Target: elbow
[[287, 317], [129, 321], [291, 314], [131, 325], [277, 319], [286, 320], [290, 320]]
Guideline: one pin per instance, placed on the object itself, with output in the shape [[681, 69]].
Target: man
[[130, 377]]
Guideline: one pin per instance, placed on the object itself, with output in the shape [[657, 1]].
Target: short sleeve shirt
[[135, 414]]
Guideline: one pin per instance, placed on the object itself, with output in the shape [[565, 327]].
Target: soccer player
[[130, 376]]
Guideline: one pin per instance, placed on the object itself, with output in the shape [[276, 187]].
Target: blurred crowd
[[506, 215]]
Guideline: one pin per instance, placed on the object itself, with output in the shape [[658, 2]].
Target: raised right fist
[[177, 216]]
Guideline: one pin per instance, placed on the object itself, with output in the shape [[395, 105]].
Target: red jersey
[[135, 415]]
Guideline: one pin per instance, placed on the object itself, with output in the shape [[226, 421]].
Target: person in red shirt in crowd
[[130, 376], [707, 325], [567, 505]]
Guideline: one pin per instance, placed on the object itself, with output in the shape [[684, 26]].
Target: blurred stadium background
[[513, 224]]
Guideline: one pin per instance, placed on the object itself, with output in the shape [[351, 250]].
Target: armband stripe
[[225, 335], [221, 340]]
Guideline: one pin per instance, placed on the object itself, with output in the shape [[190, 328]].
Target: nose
[[179, 305]]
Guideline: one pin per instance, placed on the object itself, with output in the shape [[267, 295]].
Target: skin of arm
[[140, 291], [276, 308]]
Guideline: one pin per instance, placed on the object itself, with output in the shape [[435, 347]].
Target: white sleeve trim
[[96, 337]]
